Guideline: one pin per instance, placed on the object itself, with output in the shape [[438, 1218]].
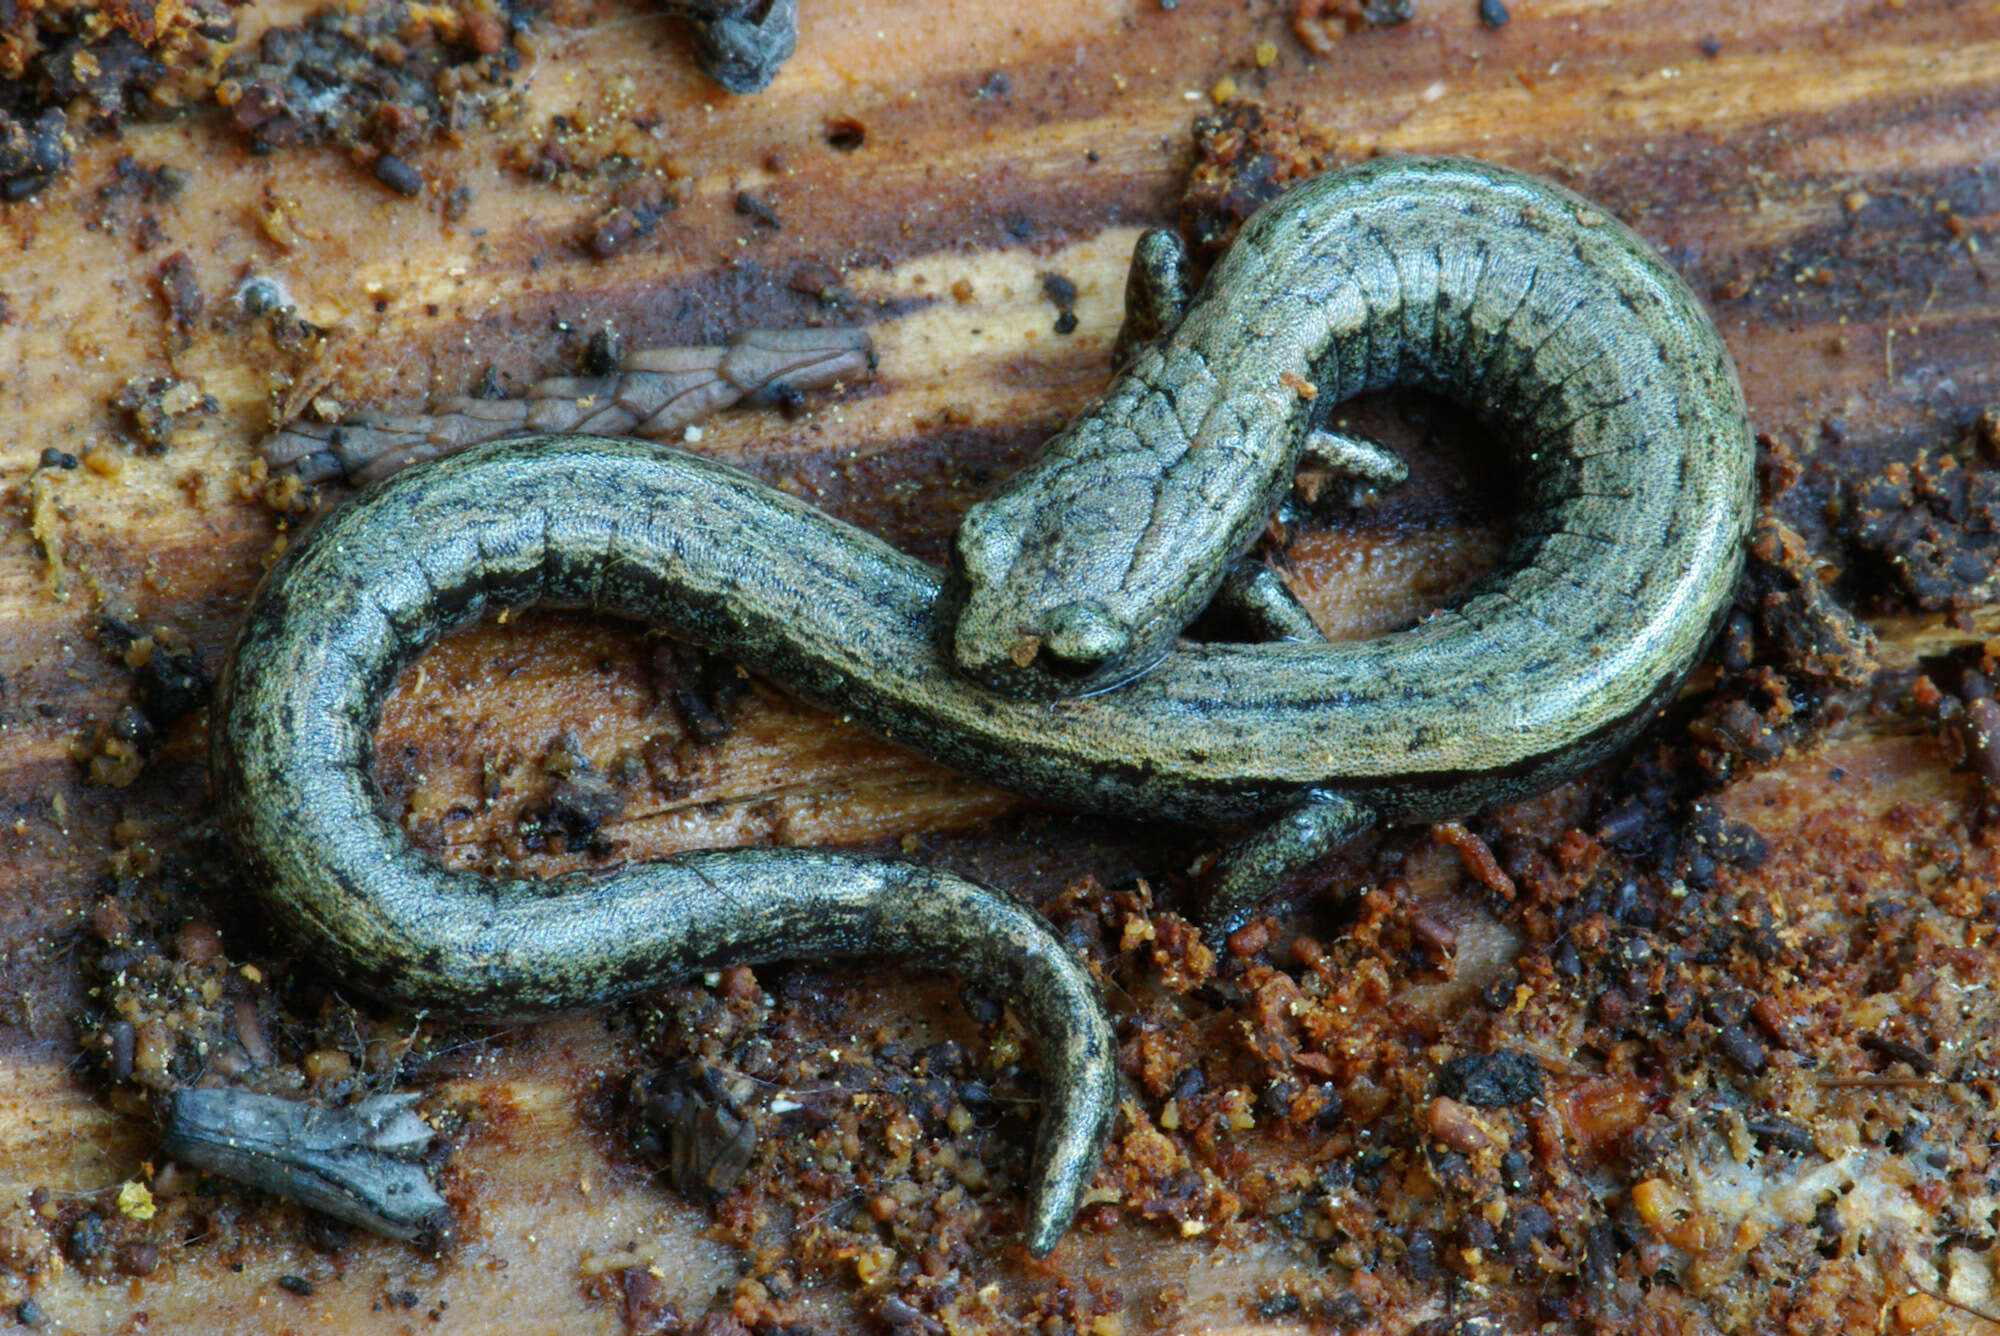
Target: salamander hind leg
[[1156, 291], [1250, 870]]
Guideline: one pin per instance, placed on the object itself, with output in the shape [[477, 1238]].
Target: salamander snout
[[1029, 605], [1079, 639], [1073, 649]]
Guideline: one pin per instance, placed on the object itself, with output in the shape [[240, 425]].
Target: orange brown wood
[[1824, 173]]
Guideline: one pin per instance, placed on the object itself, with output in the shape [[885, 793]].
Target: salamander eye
[[984, 552], [1080, 638]]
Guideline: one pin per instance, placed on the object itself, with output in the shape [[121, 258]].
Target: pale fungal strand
[[656, 393]]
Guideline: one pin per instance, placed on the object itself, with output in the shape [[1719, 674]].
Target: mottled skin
[[1553, 322], [1564, 332], [1559, 326], [622, 528]]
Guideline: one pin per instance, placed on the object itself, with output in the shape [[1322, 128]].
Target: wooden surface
[[1826, 178]]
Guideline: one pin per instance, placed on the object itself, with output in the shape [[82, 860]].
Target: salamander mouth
[[1081, 640], [1030, 663], [1041, 657]]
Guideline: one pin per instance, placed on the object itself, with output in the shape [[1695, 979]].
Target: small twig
[[1950, 1302]]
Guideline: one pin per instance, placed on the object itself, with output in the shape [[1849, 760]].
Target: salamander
[[1572, 341], [1554, 322]]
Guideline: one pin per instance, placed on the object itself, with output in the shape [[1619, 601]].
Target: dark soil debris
[[693, 1119], [399, 176], [634, 213], [69, 69], [581, 802], [1790, 656], [32, 153], [1787, 592], [1320, 24], [1245, 155], [170, 683], [388, 78], [868, 1160], [758, 209], [168, 674], [180, 291], [1492, 1080], [1954, 696], [385, 79], [1930, 529], [1061, 293], [701, 689], [159, 410]]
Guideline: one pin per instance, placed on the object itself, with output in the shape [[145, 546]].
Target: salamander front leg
[[1356, 457], [1251, 870], [1156, 291], [1363, 465], [1256, 597]]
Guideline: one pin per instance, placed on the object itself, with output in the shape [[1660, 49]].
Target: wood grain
[[1826, 179]]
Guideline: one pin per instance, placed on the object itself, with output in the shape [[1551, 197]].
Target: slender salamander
[[639, 531], [1557, 325], [624, 528], [1562, 329]]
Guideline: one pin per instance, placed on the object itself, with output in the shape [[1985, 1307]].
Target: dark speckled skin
[[1409, 725], [1547, 317], [629, 529], [1556, 324]]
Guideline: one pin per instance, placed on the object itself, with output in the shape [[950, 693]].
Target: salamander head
[[1034, 618]]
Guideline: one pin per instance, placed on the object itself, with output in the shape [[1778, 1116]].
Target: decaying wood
[[1824, 173]]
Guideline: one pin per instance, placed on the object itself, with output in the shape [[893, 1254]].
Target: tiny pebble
[[398, 175]]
